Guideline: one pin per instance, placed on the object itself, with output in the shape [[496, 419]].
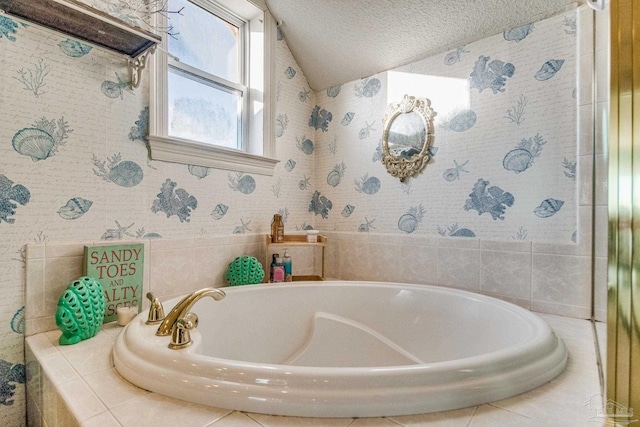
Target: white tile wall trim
[[69, 386]]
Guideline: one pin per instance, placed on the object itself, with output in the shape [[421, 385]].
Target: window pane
[[203, 40], [203, 112]]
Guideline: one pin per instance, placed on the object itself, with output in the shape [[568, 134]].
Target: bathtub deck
[[77, 386]]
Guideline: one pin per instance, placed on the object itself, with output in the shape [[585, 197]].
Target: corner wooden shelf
[[291, 241]]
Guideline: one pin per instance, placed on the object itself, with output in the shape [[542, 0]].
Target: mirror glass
[[407, 136]]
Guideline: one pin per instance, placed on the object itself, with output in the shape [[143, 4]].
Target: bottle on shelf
[[278, 271], [277, 229], [272, 267], [286, 261]]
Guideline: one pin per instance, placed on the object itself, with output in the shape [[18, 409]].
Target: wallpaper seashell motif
[[570, 168], [491, 75], [517, 160], [548, 208], [117, 233], [368, 87], [463, 232], [303, 95], [123, 173], [463, 121], [492, 200], [367, 185], [304, 182], [549, 69], [347, 211], [245, 184], [174, 201], [366, 131], [74, 48], [290, 72], [522, 157], [42, 139], [335, 176], [10, 193], [518, 34], [453, 174], [34, 143], [199, 171], [116, 89], [320, 205], [17, 321], [290, 165], [367, 225], [219, 211], [320, 119], [348, 116], [142, 234], [454, 230], [333, 91], [454, 57], [305, 145], [75, 208], [126, 174], [410, 221]]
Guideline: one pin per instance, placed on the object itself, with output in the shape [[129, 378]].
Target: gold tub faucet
[[179, 317]]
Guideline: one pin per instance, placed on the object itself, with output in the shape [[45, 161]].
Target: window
[[211, 86]]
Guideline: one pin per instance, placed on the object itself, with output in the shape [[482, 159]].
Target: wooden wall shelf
[[292, 241], [83, 22]]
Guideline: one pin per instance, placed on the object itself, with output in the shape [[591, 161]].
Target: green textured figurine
[[245, 270], [80, 310]]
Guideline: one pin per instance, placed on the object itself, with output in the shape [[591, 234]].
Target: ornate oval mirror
[[407, 136]]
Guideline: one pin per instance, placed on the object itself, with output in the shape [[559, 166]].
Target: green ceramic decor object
[[244, 270], [80, 310]]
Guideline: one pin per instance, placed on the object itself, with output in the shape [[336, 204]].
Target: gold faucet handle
[[156, 311], [180, 336]]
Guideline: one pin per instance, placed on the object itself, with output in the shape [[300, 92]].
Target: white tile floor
[[96, 396]]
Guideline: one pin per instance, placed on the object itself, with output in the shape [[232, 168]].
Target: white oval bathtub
[[345, 349]]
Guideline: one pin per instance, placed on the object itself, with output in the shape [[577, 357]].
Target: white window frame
[[258, 152]]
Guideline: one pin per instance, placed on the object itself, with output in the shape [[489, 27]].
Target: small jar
[[312, 236]]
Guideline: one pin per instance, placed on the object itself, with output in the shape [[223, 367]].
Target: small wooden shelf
[[291, 241], [297, 240]]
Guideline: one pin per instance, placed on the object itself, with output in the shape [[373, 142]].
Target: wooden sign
[[118, 268]]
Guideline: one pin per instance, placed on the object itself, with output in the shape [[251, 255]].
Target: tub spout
[[183, 308]]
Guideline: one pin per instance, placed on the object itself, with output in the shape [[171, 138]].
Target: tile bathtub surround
[[547, 278], [66, 388], [172, 267]]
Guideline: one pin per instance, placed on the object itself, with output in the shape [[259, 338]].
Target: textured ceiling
[[336, 41]]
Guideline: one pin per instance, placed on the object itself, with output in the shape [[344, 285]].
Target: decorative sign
[[118, 268]]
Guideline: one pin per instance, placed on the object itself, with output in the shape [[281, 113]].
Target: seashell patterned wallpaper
[[505, 143], [74, 163]]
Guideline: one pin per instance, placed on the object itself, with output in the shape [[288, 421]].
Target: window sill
[[195, 153]]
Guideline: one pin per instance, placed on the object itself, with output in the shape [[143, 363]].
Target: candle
[[126, 315]]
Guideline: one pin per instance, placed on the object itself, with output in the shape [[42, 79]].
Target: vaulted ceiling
[[336, 41]]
